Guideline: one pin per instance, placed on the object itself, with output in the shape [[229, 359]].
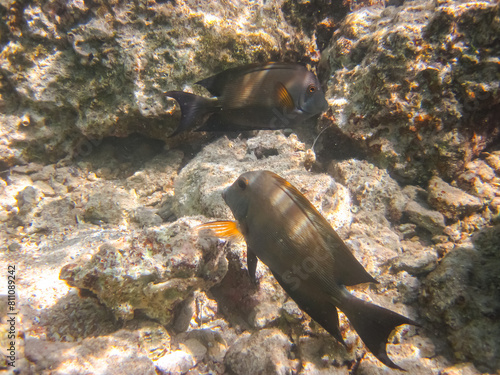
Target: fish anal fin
[[252, 261], [283, 97], [223, 229], [318, 306]]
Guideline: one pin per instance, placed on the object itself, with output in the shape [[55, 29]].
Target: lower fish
[[305, 255], [252, 97]]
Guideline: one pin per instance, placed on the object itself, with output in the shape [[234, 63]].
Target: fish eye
[[311, 89], [242, 183]]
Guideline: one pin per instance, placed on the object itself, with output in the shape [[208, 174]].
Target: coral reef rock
[[75, 69], [152, 271], [200, 183], [462, 294], [452, 202], [264, 352], [61, 358], [99, 207], [415, 87]]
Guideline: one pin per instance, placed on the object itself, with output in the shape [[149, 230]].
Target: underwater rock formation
[[152, 272], [92, 191], [129, 270], [416, 87], [77, 69], [200, 183], [462, 294]]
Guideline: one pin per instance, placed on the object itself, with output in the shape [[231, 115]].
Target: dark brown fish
[[306, 256], [252, 97]]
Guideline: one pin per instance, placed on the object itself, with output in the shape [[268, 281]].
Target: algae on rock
[[152, 271], [416, 87]]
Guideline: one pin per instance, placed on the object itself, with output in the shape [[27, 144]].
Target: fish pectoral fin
[[252, 261], [223, 229], [283, 98]]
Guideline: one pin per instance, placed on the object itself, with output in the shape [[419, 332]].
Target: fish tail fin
[[195, 110], [374, 324]]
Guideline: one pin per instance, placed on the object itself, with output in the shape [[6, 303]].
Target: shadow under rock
[[114, 157], [78, 316], [235, 293]]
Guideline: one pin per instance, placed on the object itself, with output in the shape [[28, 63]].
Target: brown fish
[[252, 97], [306, 256]]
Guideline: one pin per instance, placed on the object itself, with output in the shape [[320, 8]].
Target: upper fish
[[305, 255], [252, 97]]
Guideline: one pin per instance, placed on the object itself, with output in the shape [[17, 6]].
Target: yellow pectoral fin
[[223, 229], [283, 97]]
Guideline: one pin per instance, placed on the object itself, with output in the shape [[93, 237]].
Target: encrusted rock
[[107, 204], [264, 314], [466, 368], [146, 217], [320, 355], [404, 91], [493, 160], [61, 358], [200, 183], [105, 68], [373, 188], [158, 174], [462, 296], [415, 260], [450, 201], [196, 312], [175, 363], [481, 178], [264, 352], [413, 93], [27, 199], [53, 214], [428, 219], [152, 271]]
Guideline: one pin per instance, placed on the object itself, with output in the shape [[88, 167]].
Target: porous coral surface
[[99, 208]]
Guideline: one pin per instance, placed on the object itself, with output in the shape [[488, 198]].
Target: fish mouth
[[320, 109], [303, 110]]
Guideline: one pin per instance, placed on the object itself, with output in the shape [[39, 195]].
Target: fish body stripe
[[280, 200], [301, 229]]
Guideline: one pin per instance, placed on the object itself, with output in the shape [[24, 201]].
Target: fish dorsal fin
[[283, 97], [346, 268], [223, 229]]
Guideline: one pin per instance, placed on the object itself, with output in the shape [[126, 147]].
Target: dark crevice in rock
[[114, 157]]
